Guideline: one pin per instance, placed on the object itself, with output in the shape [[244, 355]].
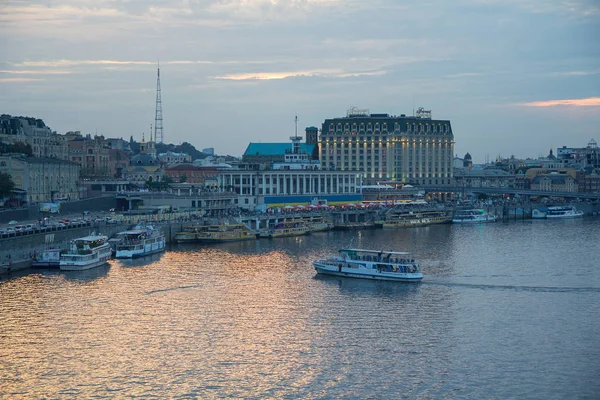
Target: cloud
[[34, 72], [588, 102], [19, 80], [283, 75], [72, 63]]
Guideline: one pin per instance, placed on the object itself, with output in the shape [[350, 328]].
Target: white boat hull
[[366, 274], [82, 267], [474, 221], [574, 215], [148, 249]]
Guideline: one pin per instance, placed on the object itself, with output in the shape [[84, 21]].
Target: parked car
[[13, 222]]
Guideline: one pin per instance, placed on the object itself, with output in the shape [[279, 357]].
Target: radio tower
[[158, 125]]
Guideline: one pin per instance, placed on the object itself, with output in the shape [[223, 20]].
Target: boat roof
[[92, 238], [374, 251], [133, 232]]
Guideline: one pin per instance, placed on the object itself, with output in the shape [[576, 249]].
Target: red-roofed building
[[190, 173]]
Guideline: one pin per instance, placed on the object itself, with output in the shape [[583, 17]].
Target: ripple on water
[[493, 318]]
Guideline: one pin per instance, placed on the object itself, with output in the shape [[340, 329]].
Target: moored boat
[[474, 216], [409, 219], [85, 253], [318, 224], [225, 233], [49, 258], [189, 234], [286, 229], [141, 241], [371, 264], [555, 212]]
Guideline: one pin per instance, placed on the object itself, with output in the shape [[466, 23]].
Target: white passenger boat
[[371, 264], [49, 258], [475, 216], [85, 253], [556, 212], [141, 241]]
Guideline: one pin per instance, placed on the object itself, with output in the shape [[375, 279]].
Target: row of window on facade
[[275, 181], [414, 127]]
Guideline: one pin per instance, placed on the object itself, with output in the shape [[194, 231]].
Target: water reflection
[[364, 287], [253, 319], [139, 262], [87, 275]]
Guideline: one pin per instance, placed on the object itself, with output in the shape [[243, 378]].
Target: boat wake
[[172, 289], [518, 288]]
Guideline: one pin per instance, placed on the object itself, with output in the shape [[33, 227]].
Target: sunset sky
[[515, 77]]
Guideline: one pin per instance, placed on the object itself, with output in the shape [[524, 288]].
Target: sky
[[514, 77]]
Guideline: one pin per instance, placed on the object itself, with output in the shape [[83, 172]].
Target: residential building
[[91, 153], [483, 178], [188, 173], [408, 149], [550, 179], [43, 179], [583, 157], [33, 131], [170, 158], [118, 160]]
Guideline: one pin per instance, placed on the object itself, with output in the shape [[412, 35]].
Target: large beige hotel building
[[380, 147]]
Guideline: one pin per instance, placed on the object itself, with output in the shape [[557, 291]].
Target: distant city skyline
[[513, 77]]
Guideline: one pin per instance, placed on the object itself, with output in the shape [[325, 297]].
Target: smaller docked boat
[[286, 229], [49, 258], [371, 264], [348, 226], [140, 241], [319, 224], [412, 219], [475, 216], [555, 212], [189, 234], [225, 233], [85, 253]]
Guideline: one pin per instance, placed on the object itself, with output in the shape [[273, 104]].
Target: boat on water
[[371, 264], [556, 212], [189, 234], [407, 219], [319, 224], [141, 241], [348, 226], [49, 258], [225, 233], [285, 229], [85, 253], [473, 216]]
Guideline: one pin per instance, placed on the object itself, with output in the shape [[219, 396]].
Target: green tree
[[183, 178], [6, 185], [20, 147]]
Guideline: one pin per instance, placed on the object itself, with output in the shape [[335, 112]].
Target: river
[[506, 310]]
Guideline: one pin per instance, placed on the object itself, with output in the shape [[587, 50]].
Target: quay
[[18, 252]]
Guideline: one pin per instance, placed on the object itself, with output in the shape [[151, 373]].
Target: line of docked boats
[[95, 250], [239, 232]]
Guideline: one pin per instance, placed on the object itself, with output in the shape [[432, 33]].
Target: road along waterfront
[[506, 310]]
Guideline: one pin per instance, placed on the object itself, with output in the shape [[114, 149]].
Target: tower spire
[[158, 119]]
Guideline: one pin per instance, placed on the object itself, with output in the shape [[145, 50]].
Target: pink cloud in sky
[[589, 102]]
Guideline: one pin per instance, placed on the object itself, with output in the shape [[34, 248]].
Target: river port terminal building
[[414, 150]]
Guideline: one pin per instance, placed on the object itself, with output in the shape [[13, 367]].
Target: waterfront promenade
[[18, 252]]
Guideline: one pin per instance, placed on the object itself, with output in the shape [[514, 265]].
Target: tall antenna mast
[[158, 119], [296, 128], [295, 139]]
